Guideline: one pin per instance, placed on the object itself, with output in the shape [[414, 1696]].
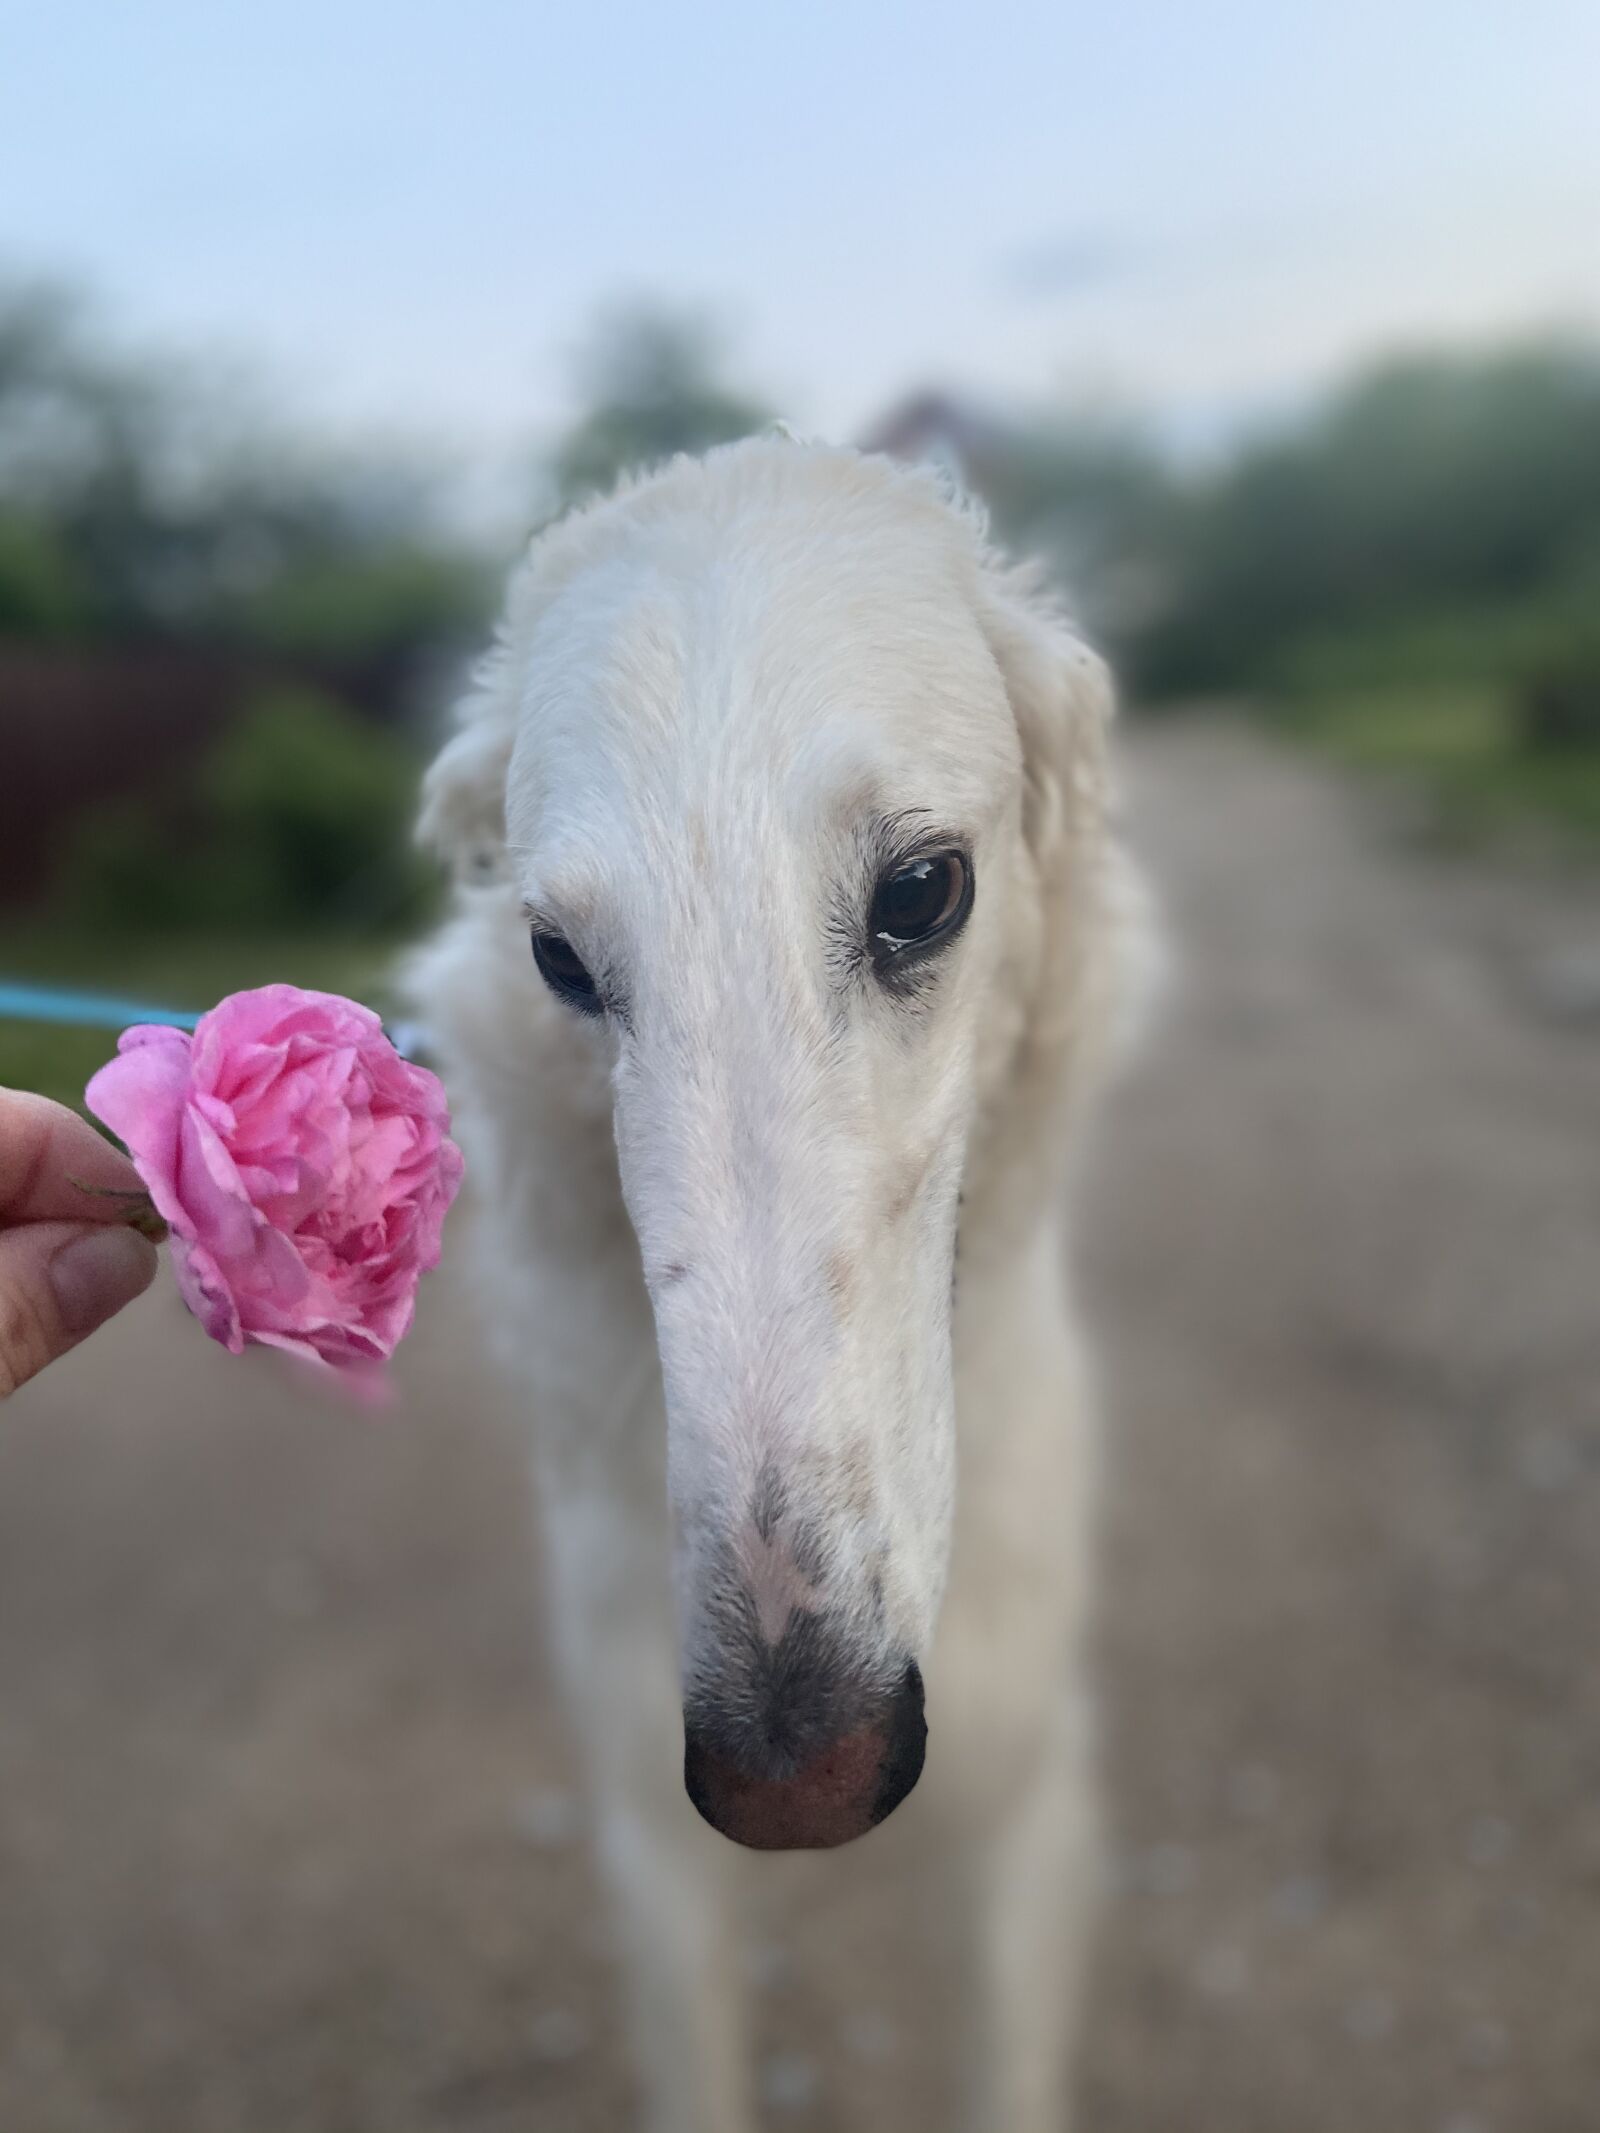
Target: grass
[[188, 969], [1458, 747]]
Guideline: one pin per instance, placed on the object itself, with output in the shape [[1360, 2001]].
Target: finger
[[43, 1147], [58, 1281]]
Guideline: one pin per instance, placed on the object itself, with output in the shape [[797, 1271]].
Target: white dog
[[802, 797]]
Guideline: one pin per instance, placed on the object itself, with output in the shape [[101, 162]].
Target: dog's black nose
[[840, 1791]]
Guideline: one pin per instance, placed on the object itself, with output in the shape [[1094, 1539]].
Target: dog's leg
[[1010, 1661], [1034, 1903], [682, 1982], [668, 1876]]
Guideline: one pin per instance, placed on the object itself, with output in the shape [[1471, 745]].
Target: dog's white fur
[[718, 1224]]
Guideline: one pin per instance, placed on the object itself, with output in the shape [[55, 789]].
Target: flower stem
[[140, 1212]]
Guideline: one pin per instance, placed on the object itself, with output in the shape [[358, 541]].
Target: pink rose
[[303, 1167]]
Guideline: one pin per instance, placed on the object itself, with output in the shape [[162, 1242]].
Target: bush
[[392, 603], [1557, 703], [40, 594], [299, 817], [1537, 656], [1555, 688]]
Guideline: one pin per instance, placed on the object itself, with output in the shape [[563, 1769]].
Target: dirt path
[[288, 1840]]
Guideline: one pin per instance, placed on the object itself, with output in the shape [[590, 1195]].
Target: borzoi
[[800, 796]]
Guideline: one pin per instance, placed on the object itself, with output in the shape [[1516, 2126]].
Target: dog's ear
[[1098, 954], [463, 814], [1062, 700]]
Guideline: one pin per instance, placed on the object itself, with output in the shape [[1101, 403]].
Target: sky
[[406, 214]]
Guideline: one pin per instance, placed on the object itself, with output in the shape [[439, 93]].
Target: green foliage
[[144, 498], [1430, 483], [1410, 578], [300, 817], [41, 595], [348, 608], [1461, 751], [1555, 693], [316, 806]]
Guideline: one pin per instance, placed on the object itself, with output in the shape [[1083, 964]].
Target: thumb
[[58, 1281]]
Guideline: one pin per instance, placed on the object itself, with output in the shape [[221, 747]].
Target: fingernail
[[97, 1274]]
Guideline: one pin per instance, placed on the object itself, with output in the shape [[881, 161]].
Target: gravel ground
[[289, 1839]]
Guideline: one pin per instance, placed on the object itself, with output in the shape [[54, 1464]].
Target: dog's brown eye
[[919, 904], [565, 973]]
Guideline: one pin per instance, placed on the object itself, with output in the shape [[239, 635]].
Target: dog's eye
[[918, 905], [564, 972]]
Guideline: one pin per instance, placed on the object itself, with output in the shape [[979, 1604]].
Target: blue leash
[[82, 1010], [97, 1010]]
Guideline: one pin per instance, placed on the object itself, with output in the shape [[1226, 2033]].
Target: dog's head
[[801, 800]]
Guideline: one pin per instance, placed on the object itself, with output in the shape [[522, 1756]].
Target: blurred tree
[[652, 382], [161, 500], [1431, 482], [336, 606]]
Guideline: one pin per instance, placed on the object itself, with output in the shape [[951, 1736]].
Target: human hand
[[67, 1260]]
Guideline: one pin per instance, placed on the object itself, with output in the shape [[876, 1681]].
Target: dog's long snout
[[748, 1783]]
